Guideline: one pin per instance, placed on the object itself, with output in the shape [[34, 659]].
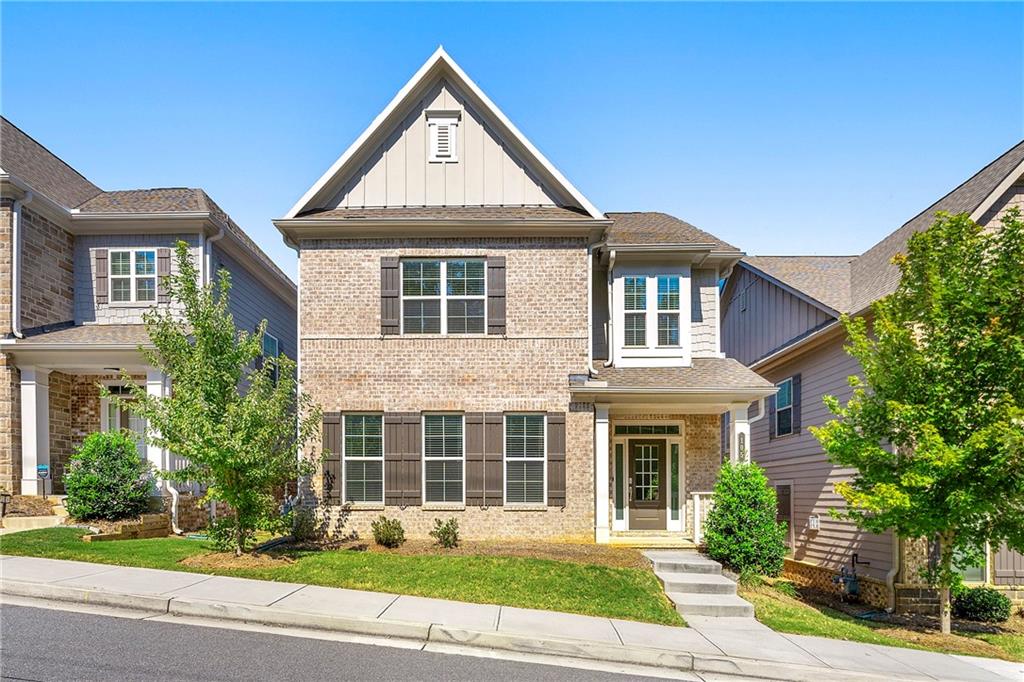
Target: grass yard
[[798, 615], [575, 586]]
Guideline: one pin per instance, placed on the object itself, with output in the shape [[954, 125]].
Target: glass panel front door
[[647, 489]]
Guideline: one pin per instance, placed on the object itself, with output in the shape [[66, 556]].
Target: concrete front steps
[[696, 586]]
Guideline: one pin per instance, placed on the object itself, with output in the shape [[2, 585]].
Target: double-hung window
[[444, 296], [443, 457], [635, 303], [364, 458], [270, 351], [524, 459], [668, 310], [133, 276], [784, 408]]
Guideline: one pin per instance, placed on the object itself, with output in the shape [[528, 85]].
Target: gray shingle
[[651, 227], [22, 156], [826, 279], [704, 373]]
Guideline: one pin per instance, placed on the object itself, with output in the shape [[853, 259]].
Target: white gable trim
[[1001, 189], [439, 60]]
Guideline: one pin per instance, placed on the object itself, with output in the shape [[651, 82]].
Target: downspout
[[208, 256], [16, 264], [611, 311], [590, 311], [299, 489], [890, 576], [174, 508], [760, 412]]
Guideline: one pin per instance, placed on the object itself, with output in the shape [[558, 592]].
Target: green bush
[[446, 533], [107, 479], [741, 530], [982, 604], [388, 532]]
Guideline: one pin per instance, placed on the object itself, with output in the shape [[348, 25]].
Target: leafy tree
[[935, 429], [238, 427], [741, 530]]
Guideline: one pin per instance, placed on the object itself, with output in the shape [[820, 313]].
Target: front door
[[647, 474]]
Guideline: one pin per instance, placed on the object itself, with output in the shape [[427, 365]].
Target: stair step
[[711, 604], [696, 583], [704, 566]]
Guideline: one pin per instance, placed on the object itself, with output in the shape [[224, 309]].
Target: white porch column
[[35, 427], [739, 434], [156, 386], [602, 534]]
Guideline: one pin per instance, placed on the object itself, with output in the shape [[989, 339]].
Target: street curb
[[427, 633]]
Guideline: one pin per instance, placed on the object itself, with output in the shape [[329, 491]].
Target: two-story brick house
[[487, 344], [78, 268]]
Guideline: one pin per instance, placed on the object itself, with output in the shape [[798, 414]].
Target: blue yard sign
[[43, 470]]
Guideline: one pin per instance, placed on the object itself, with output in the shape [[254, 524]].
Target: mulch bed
[[227, 560], [30, 505]]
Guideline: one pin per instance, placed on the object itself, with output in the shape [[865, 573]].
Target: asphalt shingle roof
[[703, 374], [22, 156], [92, 334], [826, 279], [651, 227]]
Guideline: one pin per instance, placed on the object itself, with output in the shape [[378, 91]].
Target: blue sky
[[782, 128]]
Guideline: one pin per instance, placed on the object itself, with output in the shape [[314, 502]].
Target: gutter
[[890, 576], [16, 264], [208, 255]]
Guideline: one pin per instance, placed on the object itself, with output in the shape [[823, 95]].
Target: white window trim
[[423, 449], [986, 575], [132, 277], [345, 458], [678, 312], [651, 354], [436, 120], [632, 311], [788, 407], [504, 453], [443, 297]]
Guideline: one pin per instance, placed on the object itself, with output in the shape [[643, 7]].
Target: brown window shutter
[[494, 459], [474, 459], [402, 464], [332, 458], [556, 459], [101, 275], [390, 282], [796, 403], [163, 270], [496, 295], [771, 417]]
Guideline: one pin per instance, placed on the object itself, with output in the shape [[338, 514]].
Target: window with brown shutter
[[475, 459], [101, 276], [389, 295], [332, 459], [163, 270], [556, 459], [496, 295], [402, 459]]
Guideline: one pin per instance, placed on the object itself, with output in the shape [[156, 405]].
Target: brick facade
[[10, 425], [872, 590], [62, 445], [6, 208], [47, 271]]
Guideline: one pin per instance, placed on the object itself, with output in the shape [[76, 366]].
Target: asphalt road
[[44, 644]]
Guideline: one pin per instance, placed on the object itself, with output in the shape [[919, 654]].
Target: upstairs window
[[443, 131], [635, 303], [668, 310], [133, 276], [456, 307], [784, 408]]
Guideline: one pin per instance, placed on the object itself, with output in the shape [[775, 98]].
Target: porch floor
[[659, 539]]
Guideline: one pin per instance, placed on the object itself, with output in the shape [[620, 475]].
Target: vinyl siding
[[773, 317], [704, 312], [800, 460]]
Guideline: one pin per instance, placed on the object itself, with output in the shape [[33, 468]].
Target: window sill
[[443, 506], [474, 335], [130, 304], [365, 506], [525, 507]]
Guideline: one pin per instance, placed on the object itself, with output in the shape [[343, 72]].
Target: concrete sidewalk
[[737, 646]]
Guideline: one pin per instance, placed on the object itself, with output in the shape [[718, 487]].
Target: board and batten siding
[[761, 317], [800, 460], [488, 173]]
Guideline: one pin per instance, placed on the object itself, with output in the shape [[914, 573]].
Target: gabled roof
[[653, 228], [826, 279], [44, 171], [873, 274], [439, 65]]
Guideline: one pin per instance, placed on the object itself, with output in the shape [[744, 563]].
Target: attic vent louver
[[444, 135]]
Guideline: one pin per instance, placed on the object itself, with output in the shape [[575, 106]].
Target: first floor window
[[443, 456], [524, 458], [133, 276], [784, 408], [364, 458]]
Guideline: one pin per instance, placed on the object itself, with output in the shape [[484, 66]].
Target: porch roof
[[88, 335], [82, 348]]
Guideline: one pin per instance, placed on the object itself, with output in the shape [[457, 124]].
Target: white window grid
[[461, 459], [788, 407], [345, 457], [444, 296], [635, 305], [543, 457], [668, 308], [134, 277]]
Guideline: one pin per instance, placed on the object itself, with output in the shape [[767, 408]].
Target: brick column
[[35, 427]]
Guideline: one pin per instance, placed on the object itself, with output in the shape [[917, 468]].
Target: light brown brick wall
[[347, 366], [47, 272], [10, 425], [5, 266], [62, 444]]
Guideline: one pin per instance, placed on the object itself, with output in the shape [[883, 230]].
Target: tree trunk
[[239, 536], [945, 581]]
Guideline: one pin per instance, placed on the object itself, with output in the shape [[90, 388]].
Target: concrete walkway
[[738, 646]]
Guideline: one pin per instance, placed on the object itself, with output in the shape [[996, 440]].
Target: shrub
[[741, 530], [446, 533], [388, 532], [305, 527], [107, 479], [983, 604], [750, 578], [787, 588]]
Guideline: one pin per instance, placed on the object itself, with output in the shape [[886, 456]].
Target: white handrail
[[700, 509]]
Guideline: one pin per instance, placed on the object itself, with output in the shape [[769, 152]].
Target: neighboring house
[[780, 318], [78, 268], [488, 345]]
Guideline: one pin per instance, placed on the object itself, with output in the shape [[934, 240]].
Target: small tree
[[741, 530], [935, 429], [239, 427], [106, 479]]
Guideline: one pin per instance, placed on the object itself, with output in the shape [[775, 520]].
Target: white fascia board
[[440, 58]]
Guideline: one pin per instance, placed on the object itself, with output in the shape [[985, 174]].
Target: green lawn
[[627, 593], [784, 613]]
